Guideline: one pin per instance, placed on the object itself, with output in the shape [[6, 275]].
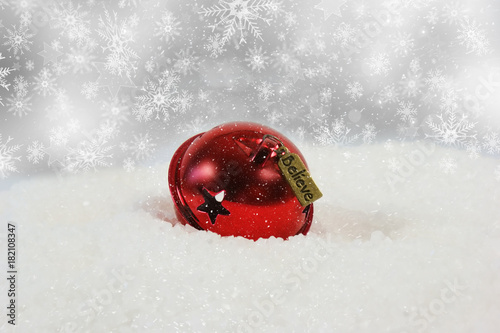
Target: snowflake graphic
[[128, 164], [451, 130], [7, 160], [4, 72], [81, 59], [186, 62], [141, 147], [36, 152], [345, 34], [454, 12], [44, 83], [118, 35], [473, 38], [90, 89], [435, 79], [90, 154], [388, 94], [406, 111], [215, 45], [184, 101], [285, 59], [72, 22], [411, 84], [394, 164], [402, 44], [354, 90], [265, 90], [379, 64], [19, 104], [337, 134], [159, 97], [491, 143], [368, 133], [18, 39], [256, 59], [448, 165], [473, 149], [168, 27], [449, 101], [240, 15]]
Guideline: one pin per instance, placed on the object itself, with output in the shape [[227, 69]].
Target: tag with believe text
[[297, 175]]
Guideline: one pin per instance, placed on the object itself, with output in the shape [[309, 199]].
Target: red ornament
[[227, 181]]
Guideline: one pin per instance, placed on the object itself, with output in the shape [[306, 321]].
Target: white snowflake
[[81, 59], [473, 38], [215, 45], [90, 154], [473, 149], [142, 147], [394, 164], [368, 133], [402, 44], [118, 36], [19, 104], [4, 72], [354, 90], [159, 97], [454, 12], [448, 165], [115, 111], [240, 15], [72, 21], [411, 84], [36, 152], [90, 89], [388, 94], [338, 134], [406, 111], [186, 62], [44, 83], [168, 27], [59, 136], [379, 64], [256, 59], [435, 79], [491, 143], [449, 101], [18, 39], [265, 90], [129, 164], [325, 95], [7, 160], [345, 34], [285, 59], [451, 130], [184, 101]]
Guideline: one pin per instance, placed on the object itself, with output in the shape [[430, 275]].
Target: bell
[[228, 181]]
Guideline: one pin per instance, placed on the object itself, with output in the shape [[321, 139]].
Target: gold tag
[[296, 174]]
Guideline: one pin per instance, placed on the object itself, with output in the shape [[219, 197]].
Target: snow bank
[[397, 245]]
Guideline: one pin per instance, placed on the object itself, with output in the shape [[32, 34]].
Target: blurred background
[[87, 85]]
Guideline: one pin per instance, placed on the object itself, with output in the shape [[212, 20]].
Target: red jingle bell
[[228, 181]]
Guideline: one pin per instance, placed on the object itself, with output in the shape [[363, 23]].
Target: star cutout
[[49, 54], [112, 81], [330, 7], [213, 205]]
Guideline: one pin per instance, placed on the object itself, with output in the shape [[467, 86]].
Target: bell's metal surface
[[228, 181]]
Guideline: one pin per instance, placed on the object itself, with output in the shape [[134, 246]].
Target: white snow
[[412, 251]]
